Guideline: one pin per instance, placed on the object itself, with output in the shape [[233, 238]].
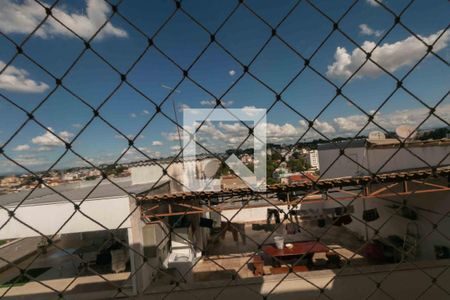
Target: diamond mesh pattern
[[161, 111]]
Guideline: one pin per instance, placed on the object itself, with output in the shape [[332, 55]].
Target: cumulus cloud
[[232, 72], [364, 29], [29, 160], [373, 2], [157, 143], [24, 17], [217, 136], [48, 139], [392, 120], [16, 80], [24, 147], [391, 56], [142, 153]]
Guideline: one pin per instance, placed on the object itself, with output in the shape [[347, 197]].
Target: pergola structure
[[361, 187]]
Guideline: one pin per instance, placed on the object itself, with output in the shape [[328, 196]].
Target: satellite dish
[[406, 132], [376, 135]]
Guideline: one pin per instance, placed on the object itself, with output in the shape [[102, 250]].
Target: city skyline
[[155, 76]]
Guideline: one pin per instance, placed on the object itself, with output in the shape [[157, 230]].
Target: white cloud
[[232, 72], [373, 2], [29, 160], [364, 29], [145, 112], [391, 56], [44, 148], [76, 125], [235, 127], [48, 139], [351, 123], [16, 80], [223, 135], [392, 120], [133, 115], [24, 17], [213, 102], [183, 106], [23, 147], [173, 136], [157, 143], [169, 88], [324, 127]]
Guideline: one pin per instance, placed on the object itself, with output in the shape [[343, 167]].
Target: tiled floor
[[226, 257]]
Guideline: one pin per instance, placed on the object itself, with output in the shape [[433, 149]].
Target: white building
[[366, 157], [312, 158]]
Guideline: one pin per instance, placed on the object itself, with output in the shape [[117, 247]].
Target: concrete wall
[[374, 159], [343, 166], [397, 225], [48, 218], [257, 214], [404, 159], [146, 174], [201, 169], [399, 282]]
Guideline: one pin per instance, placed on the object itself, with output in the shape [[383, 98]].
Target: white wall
[[396, 225], [343, 166], [146, 174], [404, 159], [373, 159], [48, 218], [201, 169], [258, 214]]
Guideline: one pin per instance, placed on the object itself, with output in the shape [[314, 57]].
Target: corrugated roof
[[74, 193], [308, 186]]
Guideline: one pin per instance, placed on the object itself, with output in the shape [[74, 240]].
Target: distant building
[[246, 159], [10, 181], [312, 158], [290, 178], [363, 157]]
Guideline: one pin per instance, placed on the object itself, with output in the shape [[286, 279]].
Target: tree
[[296, 165]]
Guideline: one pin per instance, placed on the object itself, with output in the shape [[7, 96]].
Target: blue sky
[[55, 48]]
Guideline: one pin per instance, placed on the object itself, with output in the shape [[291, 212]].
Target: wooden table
[[299, 248]]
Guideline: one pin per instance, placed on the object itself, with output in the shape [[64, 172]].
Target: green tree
[[296, 165]]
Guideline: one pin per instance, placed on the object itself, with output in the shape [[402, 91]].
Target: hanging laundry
[[265, 227], [342, 220], [273, 213], [236, 229], [321, 222], [339, 211], [204, 222], [370, 215], [292, 228]]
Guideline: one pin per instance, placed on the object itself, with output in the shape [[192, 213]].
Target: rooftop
[[382, 143], [76, 192]]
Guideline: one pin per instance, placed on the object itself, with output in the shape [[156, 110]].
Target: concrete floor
[[61, 275], [226, 257]]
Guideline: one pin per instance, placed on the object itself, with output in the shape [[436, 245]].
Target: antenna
[[405, 132]]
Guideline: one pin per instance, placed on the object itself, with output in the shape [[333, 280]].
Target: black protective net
[[339, 235]]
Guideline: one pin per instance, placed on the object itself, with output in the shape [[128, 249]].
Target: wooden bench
[[334, 259]]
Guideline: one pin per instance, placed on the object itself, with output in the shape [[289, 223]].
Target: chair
[[334, 259], [258, 264]]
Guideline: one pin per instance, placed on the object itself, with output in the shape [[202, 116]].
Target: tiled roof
[[308, 186]]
